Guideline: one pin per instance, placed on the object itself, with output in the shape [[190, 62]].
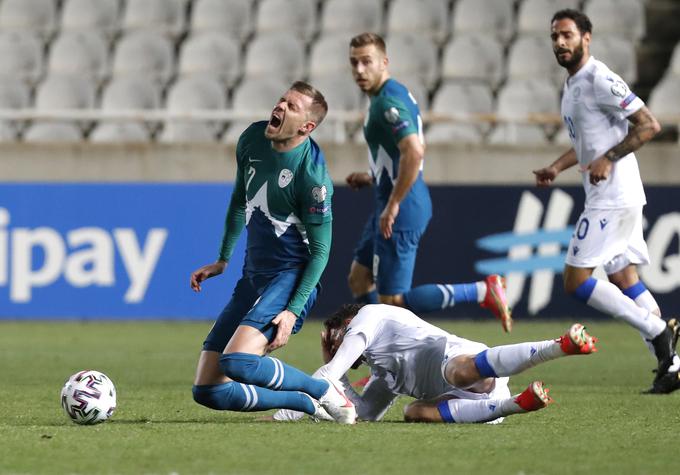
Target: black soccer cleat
[[664, 346], [665, 384]]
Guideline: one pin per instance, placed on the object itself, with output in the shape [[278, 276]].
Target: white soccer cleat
[[337, 405], [320, 414]]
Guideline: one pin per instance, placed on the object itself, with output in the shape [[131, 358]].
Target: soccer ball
[[88, 397]]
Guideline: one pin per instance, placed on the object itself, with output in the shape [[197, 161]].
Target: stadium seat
[[233, 17], [478, 57], [495, 17], [120, 132], [32, 16], [664, 101], [533, 57], [674, 65], [534, 15], [65, 92], [275, 54], [341, 95], [562, 138], [53, 132], [21, 56], [618, 54], [462, 100], [351, 16], [163, 16], [330, 56], [298, 16], [617, 17], [132, 92], [211, 54], [255, 96], [418, 90], [426, 17], [79, 53], [193, 94], [521, 100], [102, 16], [14, 94], [144, 53], [413, 55]]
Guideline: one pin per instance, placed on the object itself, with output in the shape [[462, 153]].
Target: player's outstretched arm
[[545, 176], [206, 272], [411, 153]]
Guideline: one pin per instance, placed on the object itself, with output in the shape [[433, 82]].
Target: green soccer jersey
[[282, 198]]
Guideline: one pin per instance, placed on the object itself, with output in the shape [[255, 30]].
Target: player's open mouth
[[275, 121]]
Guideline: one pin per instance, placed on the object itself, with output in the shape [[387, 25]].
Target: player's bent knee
[[238, 366], [419, 411], [462, 372]]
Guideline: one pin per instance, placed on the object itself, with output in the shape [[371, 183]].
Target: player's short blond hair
[[365, 39], [319, 105]]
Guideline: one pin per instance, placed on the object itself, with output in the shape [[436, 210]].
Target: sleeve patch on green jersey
[[319, 193]]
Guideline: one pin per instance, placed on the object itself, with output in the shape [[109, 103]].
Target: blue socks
[[432, 297], [234, 396], [369, 298], [268, 372]]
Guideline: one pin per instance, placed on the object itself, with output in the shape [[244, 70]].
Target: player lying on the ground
[[453, 379]]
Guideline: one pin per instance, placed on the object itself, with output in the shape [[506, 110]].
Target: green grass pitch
[[600, 423]]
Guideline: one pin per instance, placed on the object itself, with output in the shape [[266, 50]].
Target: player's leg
[[360, 278], [492, 409], [628, 280]]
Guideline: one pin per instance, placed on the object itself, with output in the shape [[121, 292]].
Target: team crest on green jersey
[[285, 178]]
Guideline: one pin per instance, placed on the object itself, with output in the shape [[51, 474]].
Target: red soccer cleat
[[496, 301], [577, 341], [534, 397]]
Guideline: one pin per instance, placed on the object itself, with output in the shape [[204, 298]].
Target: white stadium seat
[[617, 17], [298, 16], [53, 132], [193, 94], [144, 53], [664, 101], [102, 16], [254, 96], [8, 132], [14, 94], [478, 57], [275, 54], [426, 17], [33, 16], [493, 17], [534, 15], [164, 16], [533, 57], [674, 66], [211, 54], [65, 92], [418, 90], [618, 54], [79, 52], [341, 95], [133, 92], [21, 56], [351, 16], [330, 55], [120, 132], [413, 55], [519, 100], [233, 17]]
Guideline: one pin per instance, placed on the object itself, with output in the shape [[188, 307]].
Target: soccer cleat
[[338, 406], [320, 414], [665, 384], [577, 341], [496, 301], [360, 383], [534, 397], [664, 346]]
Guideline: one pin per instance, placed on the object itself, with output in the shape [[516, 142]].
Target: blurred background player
[[282, 193], [597, 106], [384, 259], [453, 379]]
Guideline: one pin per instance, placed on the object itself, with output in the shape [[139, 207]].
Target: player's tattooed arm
[[545, 176], [644, 128]]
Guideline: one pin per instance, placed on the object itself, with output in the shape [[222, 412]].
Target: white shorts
[[457, 346], [611, 238]]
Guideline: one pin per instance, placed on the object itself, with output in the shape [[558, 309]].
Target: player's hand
[[599, 170], [545, 176], [206, 272], [359, 180], [284, 322], [325, 346], [387, 218]]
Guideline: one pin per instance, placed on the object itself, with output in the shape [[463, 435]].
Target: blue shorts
[[256, 301], [392, 260]]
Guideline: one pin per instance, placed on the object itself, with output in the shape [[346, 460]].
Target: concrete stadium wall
[[478, 165]]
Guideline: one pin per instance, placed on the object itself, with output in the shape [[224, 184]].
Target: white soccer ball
[[89, 397]]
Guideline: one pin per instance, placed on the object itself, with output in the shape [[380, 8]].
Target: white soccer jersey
[[595, 105]]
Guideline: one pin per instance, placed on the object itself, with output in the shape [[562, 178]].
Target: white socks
[[482, 410], [507, 360]]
